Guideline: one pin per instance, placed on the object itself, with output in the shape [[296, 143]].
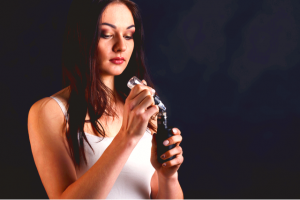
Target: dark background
[[227, 70]]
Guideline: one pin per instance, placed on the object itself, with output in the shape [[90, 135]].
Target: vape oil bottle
[[135, 81], [163, 133]]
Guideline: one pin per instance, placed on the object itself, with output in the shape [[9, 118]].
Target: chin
[[117, 74], [114, 72]]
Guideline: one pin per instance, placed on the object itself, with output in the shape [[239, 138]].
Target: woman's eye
[[128, 37], [105, 36]]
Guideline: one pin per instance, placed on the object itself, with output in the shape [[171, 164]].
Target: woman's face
[[116, 40]]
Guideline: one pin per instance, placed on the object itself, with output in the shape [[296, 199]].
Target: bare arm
[[169, 188], [164, 182], [105, 170], [162, 188], [55, 166], [52, 159]]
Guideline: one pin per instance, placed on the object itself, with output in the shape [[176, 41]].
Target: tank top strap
[[61, 105]]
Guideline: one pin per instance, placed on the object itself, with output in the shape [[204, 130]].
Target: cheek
[[102, 50], [131, 47]]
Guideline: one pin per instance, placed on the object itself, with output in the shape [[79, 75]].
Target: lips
[[117, 60]]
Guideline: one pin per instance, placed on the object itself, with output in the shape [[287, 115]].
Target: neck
[[109, 81]]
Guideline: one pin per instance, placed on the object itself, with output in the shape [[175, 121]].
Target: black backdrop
[[227, 70]]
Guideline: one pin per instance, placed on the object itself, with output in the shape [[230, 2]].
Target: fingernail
[[164, 164], [163, 156], [153, 91], [174, 130], [166, 142]]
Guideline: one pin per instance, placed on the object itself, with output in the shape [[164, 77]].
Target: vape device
[[163, 131]]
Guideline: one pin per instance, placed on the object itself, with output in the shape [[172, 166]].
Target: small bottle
[[134, 81], [163, 133]]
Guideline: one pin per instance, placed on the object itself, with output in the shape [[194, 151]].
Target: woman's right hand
[[138, 109]]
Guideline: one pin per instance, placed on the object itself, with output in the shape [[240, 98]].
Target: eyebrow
[[113, 26]]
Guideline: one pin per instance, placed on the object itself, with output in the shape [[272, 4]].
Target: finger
[[146, 109], [133, 103], [143, 101], [137, 89], [176, 161], [140, 93], [176, 139], [172, 152], [144, 82], [176, 131], [151, 111]]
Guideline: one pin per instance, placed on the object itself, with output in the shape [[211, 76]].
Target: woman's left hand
[[171, 167]]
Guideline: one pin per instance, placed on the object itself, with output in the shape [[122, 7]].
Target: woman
[[89, 140]]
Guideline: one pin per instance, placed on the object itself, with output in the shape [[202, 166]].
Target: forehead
[[117, 14]]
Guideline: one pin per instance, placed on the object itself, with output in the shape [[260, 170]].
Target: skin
[[115, 42], [49, 145]]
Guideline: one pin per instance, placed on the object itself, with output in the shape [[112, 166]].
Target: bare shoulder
[[63, 95], [46, 113], [46, 117], [46, 128]]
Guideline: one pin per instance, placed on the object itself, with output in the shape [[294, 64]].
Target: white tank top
[[134, 180]]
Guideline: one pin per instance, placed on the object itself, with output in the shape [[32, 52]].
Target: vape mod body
[[163, 133]]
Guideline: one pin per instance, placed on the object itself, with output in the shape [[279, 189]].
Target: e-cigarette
[[163, 131]]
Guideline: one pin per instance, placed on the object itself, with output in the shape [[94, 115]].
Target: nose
[[120, 45]]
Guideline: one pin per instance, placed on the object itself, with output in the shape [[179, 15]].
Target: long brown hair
[[87, 92]]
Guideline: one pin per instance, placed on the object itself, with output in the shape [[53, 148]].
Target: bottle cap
[[134, 81]]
